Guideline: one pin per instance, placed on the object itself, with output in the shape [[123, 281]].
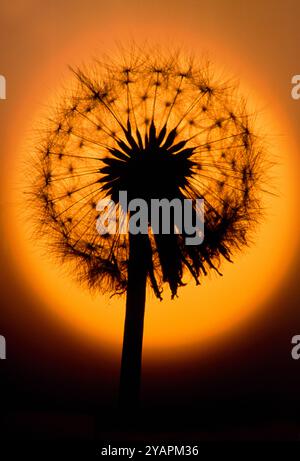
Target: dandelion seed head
[[158, 125]]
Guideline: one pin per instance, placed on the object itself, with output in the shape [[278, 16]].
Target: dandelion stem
[[134, 322]]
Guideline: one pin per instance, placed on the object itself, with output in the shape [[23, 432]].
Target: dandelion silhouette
[[157, 126]]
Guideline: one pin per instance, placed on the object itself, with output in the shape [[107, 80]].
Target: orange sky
[[251, 42]]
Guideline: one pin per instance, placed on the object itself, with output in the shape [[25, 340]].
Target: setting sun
[[200, 313]]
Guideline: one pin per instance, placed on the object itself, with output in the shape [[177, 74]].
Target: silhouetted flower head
[[158, 126]]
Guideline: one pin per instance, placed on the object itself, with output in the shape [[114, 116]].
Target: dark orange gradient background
[[252, 42]]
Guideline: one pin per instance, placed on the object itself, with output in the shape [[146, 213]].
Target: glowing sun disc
[[200, 313]]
